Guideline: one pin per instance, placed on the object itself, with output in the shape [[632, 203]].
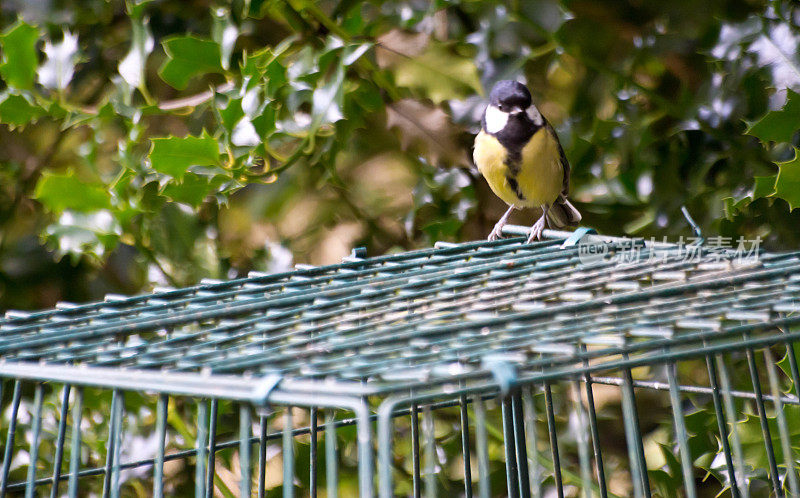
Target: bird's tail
[[562, 213]]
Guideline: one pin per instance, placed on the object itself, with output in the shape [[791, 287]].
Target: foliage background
[[365, 113], [131, 135]]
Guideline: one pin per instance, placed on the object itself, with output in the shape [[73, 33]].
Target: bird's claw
[[536, 230], [497, 231]]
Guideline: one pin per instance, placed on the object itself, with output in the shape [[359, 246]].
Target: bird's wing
[[562, 158]]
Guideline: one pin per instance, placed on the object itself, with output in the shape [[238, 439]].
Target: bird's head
[[509, 100]]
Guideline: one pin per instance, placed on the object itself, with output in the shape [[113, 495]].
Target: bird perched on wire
[[519, 154]]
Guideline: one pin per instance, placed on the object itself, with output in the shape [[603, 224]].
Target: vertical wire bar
[[680, 432], [262, 457], [1, 419], [762, 418], [385, 430], [582, 437], [201, 445], [110, 443], [730, 415], [598, 453], [634, 437], [430, 451], [312, 454], [245, 429], [711, 365], [115, 467], [75, 444], [162, 406], [783, 428], [465, 454], [36, 429], [212, 449], [331, 460], [793, 369], [534, 469], [415, 460], [366, 450], [512, 482], [12, 428], [521, 446], [482, 447], [551, 428], [288, 455], [60, 439]]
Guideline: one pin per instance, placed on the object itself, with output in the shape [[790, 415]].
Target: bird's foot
[[537, 229], [496, 233]]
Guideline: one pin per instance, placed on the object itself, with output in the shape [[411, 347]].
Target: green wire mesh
[[500, 348]]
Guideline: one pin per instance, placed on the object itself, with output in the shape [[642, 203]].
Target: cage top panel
[[453, 315]]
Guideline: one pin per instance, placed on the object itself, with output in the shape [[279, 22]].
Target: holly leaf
[[187, 57], [58, 69], [776, 49], [17, 110], [328, 99], [193, 189], [133, 65], [787, 185], [18, 44], [779, 126], [62, 191], [764, 186], [433, 69], [174, 155], [225, 33]]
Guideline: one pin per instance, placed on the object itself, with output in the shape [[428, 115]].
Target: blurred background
[[161, 142]]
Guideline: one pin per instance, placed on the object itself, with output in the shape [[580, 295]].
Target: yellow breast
[[540, 174]]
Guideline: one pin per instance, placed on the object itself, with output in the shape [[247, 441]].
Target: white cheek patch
[[535, 115], [495, 119]]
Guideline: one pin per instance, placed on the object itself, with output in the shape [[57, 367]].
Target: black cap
[[511, 94]]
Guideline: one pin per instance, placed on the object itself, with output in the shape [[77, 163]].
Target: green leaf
[[174, 155], [225, 33], [17, 110], [59, 192], [133, 65], [779, 126], [231, 114], [328, 99], [764, 186], [439, 73], [18, 44], [187, 57], [194, 189], [787, 185], [785, 363]]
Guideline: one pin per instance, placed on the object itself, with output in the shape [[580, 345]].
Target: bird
[[518, 153]]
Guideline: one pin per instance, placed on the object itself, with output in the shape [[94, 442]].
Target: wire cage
[[582, 365]]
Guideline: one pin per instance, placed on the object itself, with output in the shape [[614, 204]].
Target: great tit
[[519, 154]]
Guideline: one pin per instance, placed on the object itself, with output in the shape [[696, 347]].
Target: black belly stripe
[[513, 161], [512, 182]]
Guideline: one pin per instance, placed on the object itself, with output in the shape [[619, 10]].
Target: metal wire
[[391, 338]]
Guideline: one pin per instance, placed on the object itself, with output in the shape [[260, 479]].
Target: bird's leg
[[497, 231], [538, 227]]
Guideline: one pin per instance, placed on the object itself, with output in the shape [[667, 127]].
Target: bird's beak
[[517, 110]]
